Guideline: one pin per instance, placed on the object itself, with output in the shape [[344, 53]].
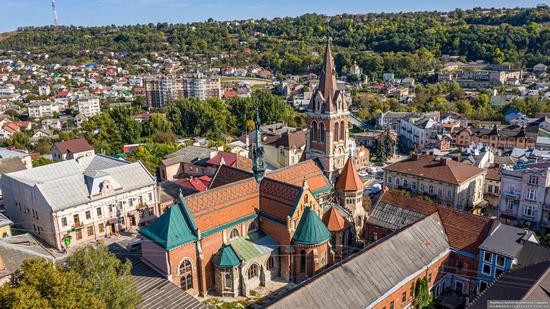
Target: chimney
[[445, 161], [414, 156]]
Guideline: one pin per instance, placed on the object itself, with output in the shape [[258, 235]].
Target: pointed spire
[[349, 180], [327, 80], [258, 151]]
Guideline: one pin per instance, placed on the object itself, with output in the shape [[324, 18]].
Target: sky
[[17, 13]]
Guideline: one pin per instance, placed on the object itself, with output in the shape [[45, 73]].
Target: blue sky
[[16, 13]]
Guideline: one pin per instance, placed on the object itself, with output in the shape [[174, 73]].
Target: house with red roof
[[72, 149], [8, 127]]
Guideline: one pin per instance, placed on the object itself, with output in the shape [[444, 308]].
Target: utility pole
[[54, 13]]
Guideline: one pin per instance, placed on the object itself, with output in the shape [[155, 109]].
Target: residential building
[[448, 182], [392, 120], [10, 153], [524, 195], [39, 109], [475, 154], [509, 137], [201, 87], [188, 161], [285, 149], [327, 121], [72, 149], [531, 288], [381, 276], [500, 251], [80, 200], [417, 131], [160, 91], [88, 106]]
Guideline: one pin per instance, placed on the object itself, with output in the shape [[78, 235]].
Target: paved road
[[156, 291]]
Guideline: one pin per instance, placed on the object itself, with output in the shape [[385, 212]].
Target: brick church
[[251, 227]]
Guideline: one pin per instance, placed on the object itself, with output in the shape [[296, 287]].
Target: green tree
[[38, 284], [41, 161], [110, 279], [422, 295], [20, 140]]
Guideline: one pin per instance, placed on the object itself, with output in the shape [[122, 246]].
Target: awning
[[132, 213], [112, 220]]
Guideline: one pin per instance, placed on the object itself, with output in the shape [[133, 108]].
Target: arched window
[[253, 271], [336, 131], [342, 131], [228, 281], [234, 234], [186, 274], [270, 263], [314, 132], [303, 261], [252, 227], [322, 132]]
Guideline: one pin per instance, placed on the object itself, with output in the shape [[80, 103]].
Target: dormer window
[[106, 187]]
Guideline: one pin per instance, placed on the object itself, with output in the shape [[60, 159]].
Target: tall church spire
[[258, 151], [327, 80]]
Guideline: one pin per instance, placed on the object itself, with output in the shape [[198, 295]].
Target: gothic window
[[228, 281], [186, 274], [322, 132], [270, 263], [234, 234], [253, 271], [314, 132], [336, 131], [342, 131]]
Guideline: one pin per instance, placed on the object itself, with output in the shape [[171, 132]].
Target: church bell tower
[[327, 121]]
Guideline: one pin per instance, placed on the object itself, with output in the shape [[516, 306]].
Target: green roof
[[226, 257], [253, 246], [543, 133], [170, 230], [310, 230]]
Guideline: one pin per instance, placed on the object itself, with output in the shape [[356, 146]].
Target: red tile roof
[[216, 207], [465, 231], [74, 146], [277, 198], [295, 175], [227, 174], [199, 184], [445, 170], [334, 221], [349, 180]]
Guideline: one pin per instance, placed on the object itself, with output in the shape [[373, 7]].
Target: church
[[251, 227]]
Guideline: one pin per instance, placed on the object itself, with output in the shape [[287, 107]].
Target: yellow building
[[5, 226]]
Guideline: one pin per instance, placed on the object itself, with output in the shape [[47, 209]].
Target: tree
[[110, 279], [41, 161], [422, 295], [40, 284], [20, 140]]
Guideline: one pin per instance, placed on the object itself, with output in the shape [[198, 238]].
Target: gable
[[296, 174]]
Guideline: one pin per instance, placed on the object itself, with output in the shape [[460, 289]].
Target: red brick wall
[[380, 232], [177, 255], [396, 296]]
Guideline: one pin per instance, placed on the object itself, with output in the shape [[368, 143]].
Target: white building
[[39, 109], [89, 106], [72, 202], [44, 90]]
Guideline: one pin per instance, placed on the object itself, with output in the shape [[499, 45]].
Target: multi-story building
[[76, 201], [392, 120], [202, 87], [160, 91], [89, 106], [418, 131], [284, 149], [509, 137], [39, 109], [448, 182], [524, 195], [499, 252]]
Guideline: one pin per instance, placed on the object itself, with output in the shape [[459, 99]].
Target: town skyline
[[126, 12]]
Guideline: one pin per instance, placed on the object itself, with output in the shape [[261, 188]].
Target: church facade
[[251, 227]]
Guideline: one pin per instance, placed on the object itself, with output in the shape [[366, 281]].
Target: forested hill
[[405, 43]]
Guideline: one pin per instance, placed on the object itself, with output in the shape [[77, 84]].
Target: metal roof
[[250, 248], [393, 217], [363, 279], [505, 240], [171, 229], [67, 184], [310, 230]]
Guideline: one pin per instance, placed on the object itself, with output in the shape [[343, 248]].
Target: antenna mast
[[54, 12]]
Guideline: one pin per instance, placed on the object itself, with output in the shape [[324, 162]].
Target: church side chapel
[[250, 228]]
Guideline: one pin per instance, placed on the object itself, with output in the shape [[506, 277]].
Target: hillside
[[406, 43]]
